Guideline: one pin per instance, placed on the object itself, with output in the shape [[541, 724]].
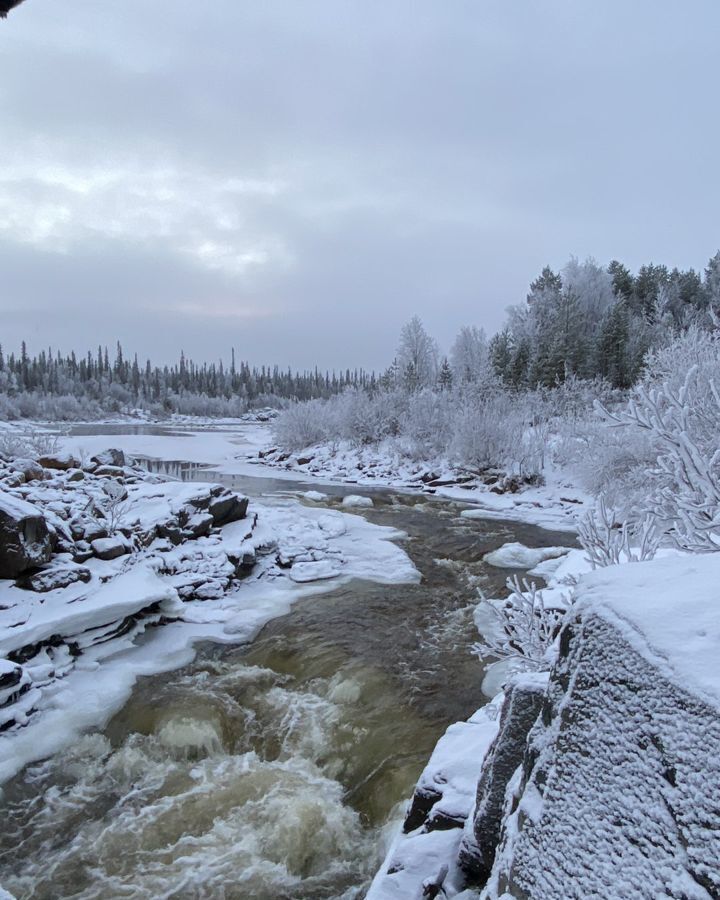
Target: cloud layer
[[297, 179]]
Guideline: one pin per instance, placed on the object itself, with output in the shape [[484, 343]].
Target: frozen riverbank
[[126, 551]]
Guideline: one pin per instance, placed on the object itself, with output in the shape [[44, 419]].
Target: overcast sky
[[296, 178]]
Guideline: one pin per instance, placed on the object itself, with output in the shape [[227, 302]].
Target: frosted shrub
[[426, 424], [608, 461], [608, 543], [361, 418], [498, 431], [305, 424], [684, 486], [524, 628]]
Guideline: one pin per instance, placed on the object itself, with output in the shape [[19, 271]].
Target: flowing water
[[272, 771]]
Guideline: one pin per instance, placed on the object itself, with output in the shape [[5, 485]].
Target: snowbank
[[518, 556]]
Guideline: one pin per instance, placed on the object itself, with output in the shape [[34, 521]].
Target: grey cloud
[[411, 157]]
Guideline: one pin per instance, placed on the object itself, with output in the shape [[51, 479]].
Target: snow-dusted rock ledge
[[618, 794], [602, 780]]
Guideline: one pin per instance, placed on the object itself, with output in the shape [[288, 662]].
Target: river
[[273, 771]]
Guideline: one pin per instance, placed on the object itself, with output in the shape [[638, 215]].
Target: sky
[[297, 179]]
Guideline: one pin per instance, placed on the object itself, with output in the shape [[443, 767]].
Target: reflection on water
[[268, 772]]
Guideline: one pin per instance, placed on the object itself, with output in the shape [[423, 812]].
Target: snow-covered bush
[[499, 430], [608, 542], [659, 455], [606, 461], [521, 628], [305, 424], [426, 424]]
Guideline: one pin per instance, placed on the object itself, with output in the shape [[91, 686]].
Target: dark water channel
[[270, 771]]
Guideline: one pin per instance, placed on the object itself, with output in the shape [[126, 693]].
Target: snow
[[16, 507], [518, 556], [669, 611], [315, 496], [37, 617], [357, 500], [453, 771]]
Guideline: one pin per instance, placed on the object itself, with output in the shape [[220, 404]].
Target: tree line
[[186, 386]]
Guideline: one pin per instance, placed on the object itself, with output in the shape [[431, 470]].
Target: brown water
[[268, 772]]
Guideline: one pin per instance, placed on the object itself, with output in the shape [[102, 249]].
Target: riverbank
[[117, 551]]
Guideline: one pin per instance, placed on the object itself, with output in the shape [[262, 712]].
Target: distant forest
[[585, 321], [66, 387]]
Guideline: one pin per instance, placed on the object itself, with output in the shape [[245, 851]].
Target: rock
[[82, 552], [77, 475], [25, 539], [617, 793], [228, 507], [304, 460], [10, 674], [198, 525], [524, 696], [109, 471], [31, 470], [94, 531], [60, 461], [110, 547], [111, 457], [423, 800], [53, 576]]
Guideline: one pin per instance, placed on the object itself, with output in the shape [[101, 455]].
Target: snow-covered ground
[[557, 504]]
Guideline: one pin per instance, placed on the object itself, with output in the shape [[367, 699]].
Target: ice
[[314, 571], [356, 500], [518, 556], [59, 613], [315, 496]]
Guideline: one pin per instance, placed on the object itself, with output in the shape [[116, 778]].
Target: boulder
[[524, 697], [617, 795], [198, 525], [111, 457], [25, 539], [228, 507], [110, 547], [31, 470], [59, 461], [53, 576]]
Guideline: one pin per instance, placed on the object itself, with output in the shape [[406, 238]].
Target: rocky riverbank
[[597, 779], [108, 571]]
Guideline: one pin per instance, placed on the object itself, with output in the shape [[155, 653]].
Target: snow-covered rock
[[25, 539], [518, 556], [356, 500], [60, 461], [315, 496], [111, 547], [427, 847], [617, 793]]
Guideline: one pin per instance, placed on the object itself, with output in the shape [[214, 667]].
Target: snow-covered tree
[[417, 356], [470, 356]]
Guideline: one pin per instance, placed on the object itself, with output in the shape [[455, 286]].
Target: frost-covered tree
[[417, 356], [470, 356], [678, 407]]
